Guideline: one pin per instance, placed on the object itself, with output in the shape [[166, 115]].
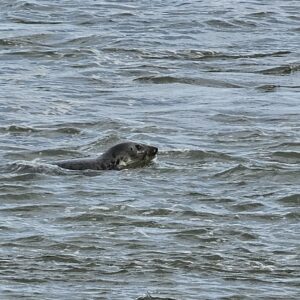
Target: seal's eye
[[138, 147]]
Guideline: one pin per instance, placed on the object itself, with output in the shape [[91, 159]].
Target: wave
[[197, 154], [183, 80], [267, 87], [31, 168], [281, 70], [25, 40], [150, 297], [19, 129], [238, 169], [31, 208], [287, 145], [25, 20], [192, 54], [247, 206], [286, 156], [293, 199]]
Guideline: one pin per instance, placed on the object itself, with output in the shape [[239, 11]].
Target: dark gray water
[[214, 85]]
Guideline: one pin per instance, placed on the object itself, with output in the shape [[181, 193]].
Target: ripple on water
[[281, 70], [290, 200], [193, 81], [291, 157], [213, 86]]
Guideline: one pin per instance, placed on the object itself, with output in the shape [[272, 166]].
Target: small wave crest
[[33, 167], [20, 129], [281, 70], [292, 200], [192, 81], [286, 156], [196, 154]]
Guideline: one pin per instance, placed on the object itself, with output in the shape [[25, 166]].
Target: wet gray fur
[[118, 157]]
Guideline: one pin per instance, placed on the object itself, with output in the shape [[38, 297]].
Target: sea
[[215, 85]]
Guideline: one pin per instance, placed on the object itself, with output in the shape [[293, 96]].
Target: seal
[[121, 156]]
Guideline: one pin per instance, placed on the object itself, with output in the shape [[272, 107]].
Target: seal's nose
[[154, 150]]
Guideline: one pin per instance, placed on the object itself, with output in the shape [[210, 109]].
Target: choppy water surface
[[215, 85]]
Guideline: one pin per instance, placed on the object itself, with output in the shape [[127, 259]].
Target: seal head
[[121, 156], [127, 155]]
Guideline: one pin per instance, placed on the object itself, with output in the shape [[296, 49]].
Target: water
[[214, 85]]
